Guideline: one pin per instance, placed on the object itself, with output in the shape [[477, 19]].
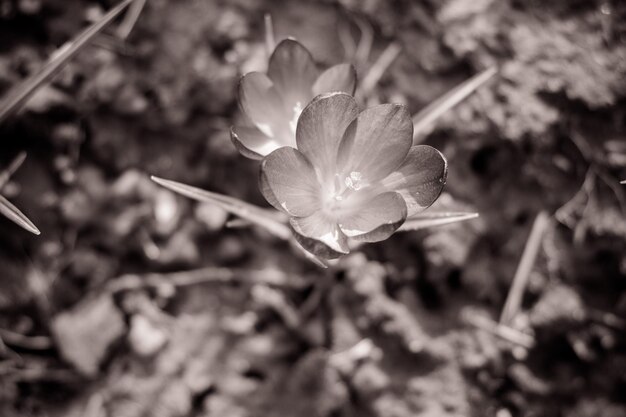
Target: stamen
[[355, 181]]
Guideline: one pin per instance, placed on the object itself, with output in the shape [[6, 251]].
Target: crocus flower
[[273, 102], [353, 175]]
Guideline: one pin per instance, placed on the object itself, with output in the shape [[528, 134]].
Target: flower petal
[[340, 77], [260, 101], [289, 183], [376, 142], [293, 71], [321, 127], [320, 235], [251, 142], [420, 178], [377, 219]]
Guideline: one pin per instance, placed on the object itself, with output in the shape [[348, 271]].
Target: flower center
[[346, 192]]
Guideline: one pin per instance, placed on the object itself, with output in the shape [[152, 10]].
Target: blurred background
[[135, 301]]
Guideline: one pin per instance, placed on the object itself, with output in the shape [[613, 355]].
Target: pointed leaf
[[130, 19], [15, 215], [437, 108], [23, 91], [425, 220], [247, 211], [8, 172]]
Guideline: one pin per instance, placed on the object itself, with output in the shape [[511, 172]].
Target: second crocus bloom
[[274, 102], [353, 175]]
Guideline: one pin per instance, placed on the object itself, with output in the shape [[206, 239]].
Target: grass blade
[[7, 173], [380, 66], [437, 108], [14, 214], [23, 91], [426, 220], [233, 205], [130, 19], [513, 301]]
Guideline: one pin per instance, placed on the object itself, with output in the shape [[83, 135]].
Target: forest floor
[[138, 302]]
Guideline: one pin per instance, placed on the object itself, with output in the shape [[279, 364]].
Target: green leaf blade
[[23, 91], [240, 208], [427, 220], [15, 215], [436, 109]]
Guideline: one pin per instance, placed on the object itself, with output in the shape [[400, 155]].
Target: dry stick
[[8, 172], [22, 92], [270, 39], [130, 19], [514, 298], [198, 276], [380, 66], [27, 342], [437, 108], [504, 332]]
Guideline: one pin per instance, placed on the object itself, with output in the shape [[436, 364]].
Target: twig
[[504, 332], [432, 112], [198, 276], [28, 342], [516, 292], [36, 375], [270, 39], [379, 67], [8, 172]]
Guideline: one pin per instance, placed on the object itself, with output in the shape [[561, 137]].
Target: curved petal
[[321, 127], [292, 181], [340, 77], [260, 101], [320, 235], [376, 142], [420, 178], [375, 220], [251, 142], [293, 71]]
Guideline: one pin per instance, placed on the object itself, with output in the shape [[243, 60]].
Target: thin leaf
[[7, 173], [377, 70], [432, 112], [425, 220], [247, 211], [23, 91], [15, 215], [130, 19]]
